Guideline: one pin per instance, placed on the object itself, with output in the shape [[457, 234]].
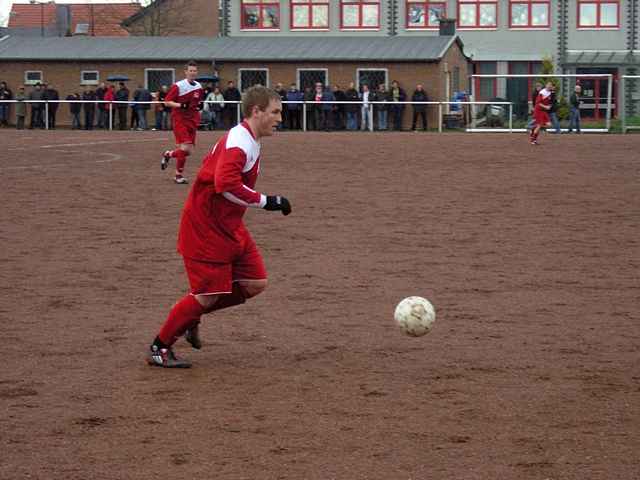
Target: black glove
[[276, 202], [201, 106], [184, 106]]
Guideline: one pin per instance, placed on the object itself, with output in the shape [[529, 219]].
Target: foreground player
[[541, 112], [222, 261], [184, 98]]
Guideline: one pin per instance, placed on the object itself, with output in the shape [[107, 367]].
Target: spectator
[[419, 95], [397, 109], [534, 97], [280, 90], [382, 109], [75, 109], [89, 97], [553, 113], [52, 96], [166, 111], [351, 109], [575, 101], [122, 95], [231, 94], [109, 96], [157, 111], [327, 109], [35, 96], [5, 107], [367, 121], [21, 108], [215, 107], [318, 110], [142, 96], [103, 114], [309, 98], [338, 109], [295, 109]]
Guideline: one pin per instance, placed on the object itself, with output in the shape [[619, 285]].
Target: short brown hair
[[190, 63], [257, 96]]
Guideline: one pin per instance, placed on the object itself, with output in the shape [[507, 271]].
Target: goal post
[[594, 104]]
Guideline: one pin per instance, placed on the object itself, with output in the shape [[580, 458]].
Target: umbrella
[[207, 78], [117, 78]]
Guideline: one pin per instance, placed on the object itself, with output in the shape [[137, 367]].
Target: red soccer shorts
[[541, 118], [209, 278], [185, 132]]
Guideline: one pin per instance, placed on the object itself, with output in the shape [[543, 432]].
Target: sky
[[5, 6]]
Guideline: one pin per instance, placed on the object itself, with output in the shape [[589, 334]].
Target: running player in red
[[184, 98], [222, 261], [541, 112]]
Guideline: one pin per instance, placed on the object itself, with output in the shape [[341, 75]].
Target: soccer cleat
[[180, 180], [192, 335], [166, 158], [534, 142], [164, 357]]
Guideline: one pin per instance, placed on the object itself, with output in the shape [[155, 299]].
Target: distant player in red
[[222, 261], [541, 112], [184, 98]]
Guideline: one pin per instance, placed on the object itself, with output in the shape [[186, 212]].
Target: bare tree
[[161, 18]]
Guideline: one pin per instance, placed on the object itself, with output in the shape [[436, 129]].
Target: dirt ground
[[531, 256]]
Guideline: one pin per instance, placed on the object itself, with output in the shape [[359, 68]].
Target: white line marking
[[114, 158], [105, 142]]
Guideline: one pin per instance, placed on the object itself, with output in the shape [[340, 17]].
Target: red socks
[[184, 314], [181, 158]]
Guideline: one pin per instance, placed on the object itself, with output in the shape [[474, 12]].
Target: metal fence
[[628, 90]]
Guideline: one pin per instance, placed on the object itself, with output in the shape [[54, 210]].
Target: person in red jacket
[[541, 112], [109, 96], [185, 99], [223, 263]]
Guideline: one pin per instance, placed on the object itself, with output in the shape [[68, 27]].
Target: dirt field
[[531, 256]]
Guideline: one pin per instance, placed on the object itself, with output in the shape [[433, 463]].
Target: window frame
[[157, 69], [251, 69], [309, 4], [478, 81], [89, 82], [261, 4], [307, 69], [529, 25], [598, 25], [478, 4], [33, 82], [360, 4], [426, 4], [372, 69]]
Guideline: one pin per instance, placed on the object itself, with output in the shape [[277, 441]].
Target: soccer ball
[[415, 316]]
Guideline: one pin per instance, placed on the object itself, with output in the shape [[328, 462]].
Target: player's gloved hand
[[276, 202], [184, 106]]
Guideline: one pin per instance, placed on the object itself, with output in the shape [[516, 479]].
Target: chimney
[[447, 27]]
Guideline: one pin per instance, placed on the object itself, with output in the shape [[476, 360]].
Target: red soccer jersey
[[211, 228], [540, 114], [189, 93]]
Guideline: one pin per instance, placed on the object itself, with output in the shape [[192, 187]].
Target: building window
[[486, 88], [519, 89], [360, 14], [309, 14], [373, 77], [248, 77], [259, 14], [598, 14], [477, 13], [308, 77], [421, 14], [31, 77], [530, 14], [89, 77], [155, 78]]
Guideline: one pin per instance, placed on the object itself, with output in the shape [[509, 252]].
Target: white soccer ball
[[415, 316]]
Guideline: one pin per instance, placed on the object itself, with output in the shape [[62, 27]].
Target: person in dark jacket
[[397, 109], [574, 103], [122, 95], [309, 97], [142, 95], [103, 113], [553, 113], [280, 90], [231, 94], [338, 109], [52, 96], [89, 96], [37, 107], [352, 109], [419, 95], [74, 109], [382, 109], [295, 109], [5, 94]]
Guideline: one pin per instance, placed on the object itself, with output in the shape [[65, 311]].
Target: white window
[[308, 77], [155, 78], [31, 77], [248, 77], [89, 77]]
